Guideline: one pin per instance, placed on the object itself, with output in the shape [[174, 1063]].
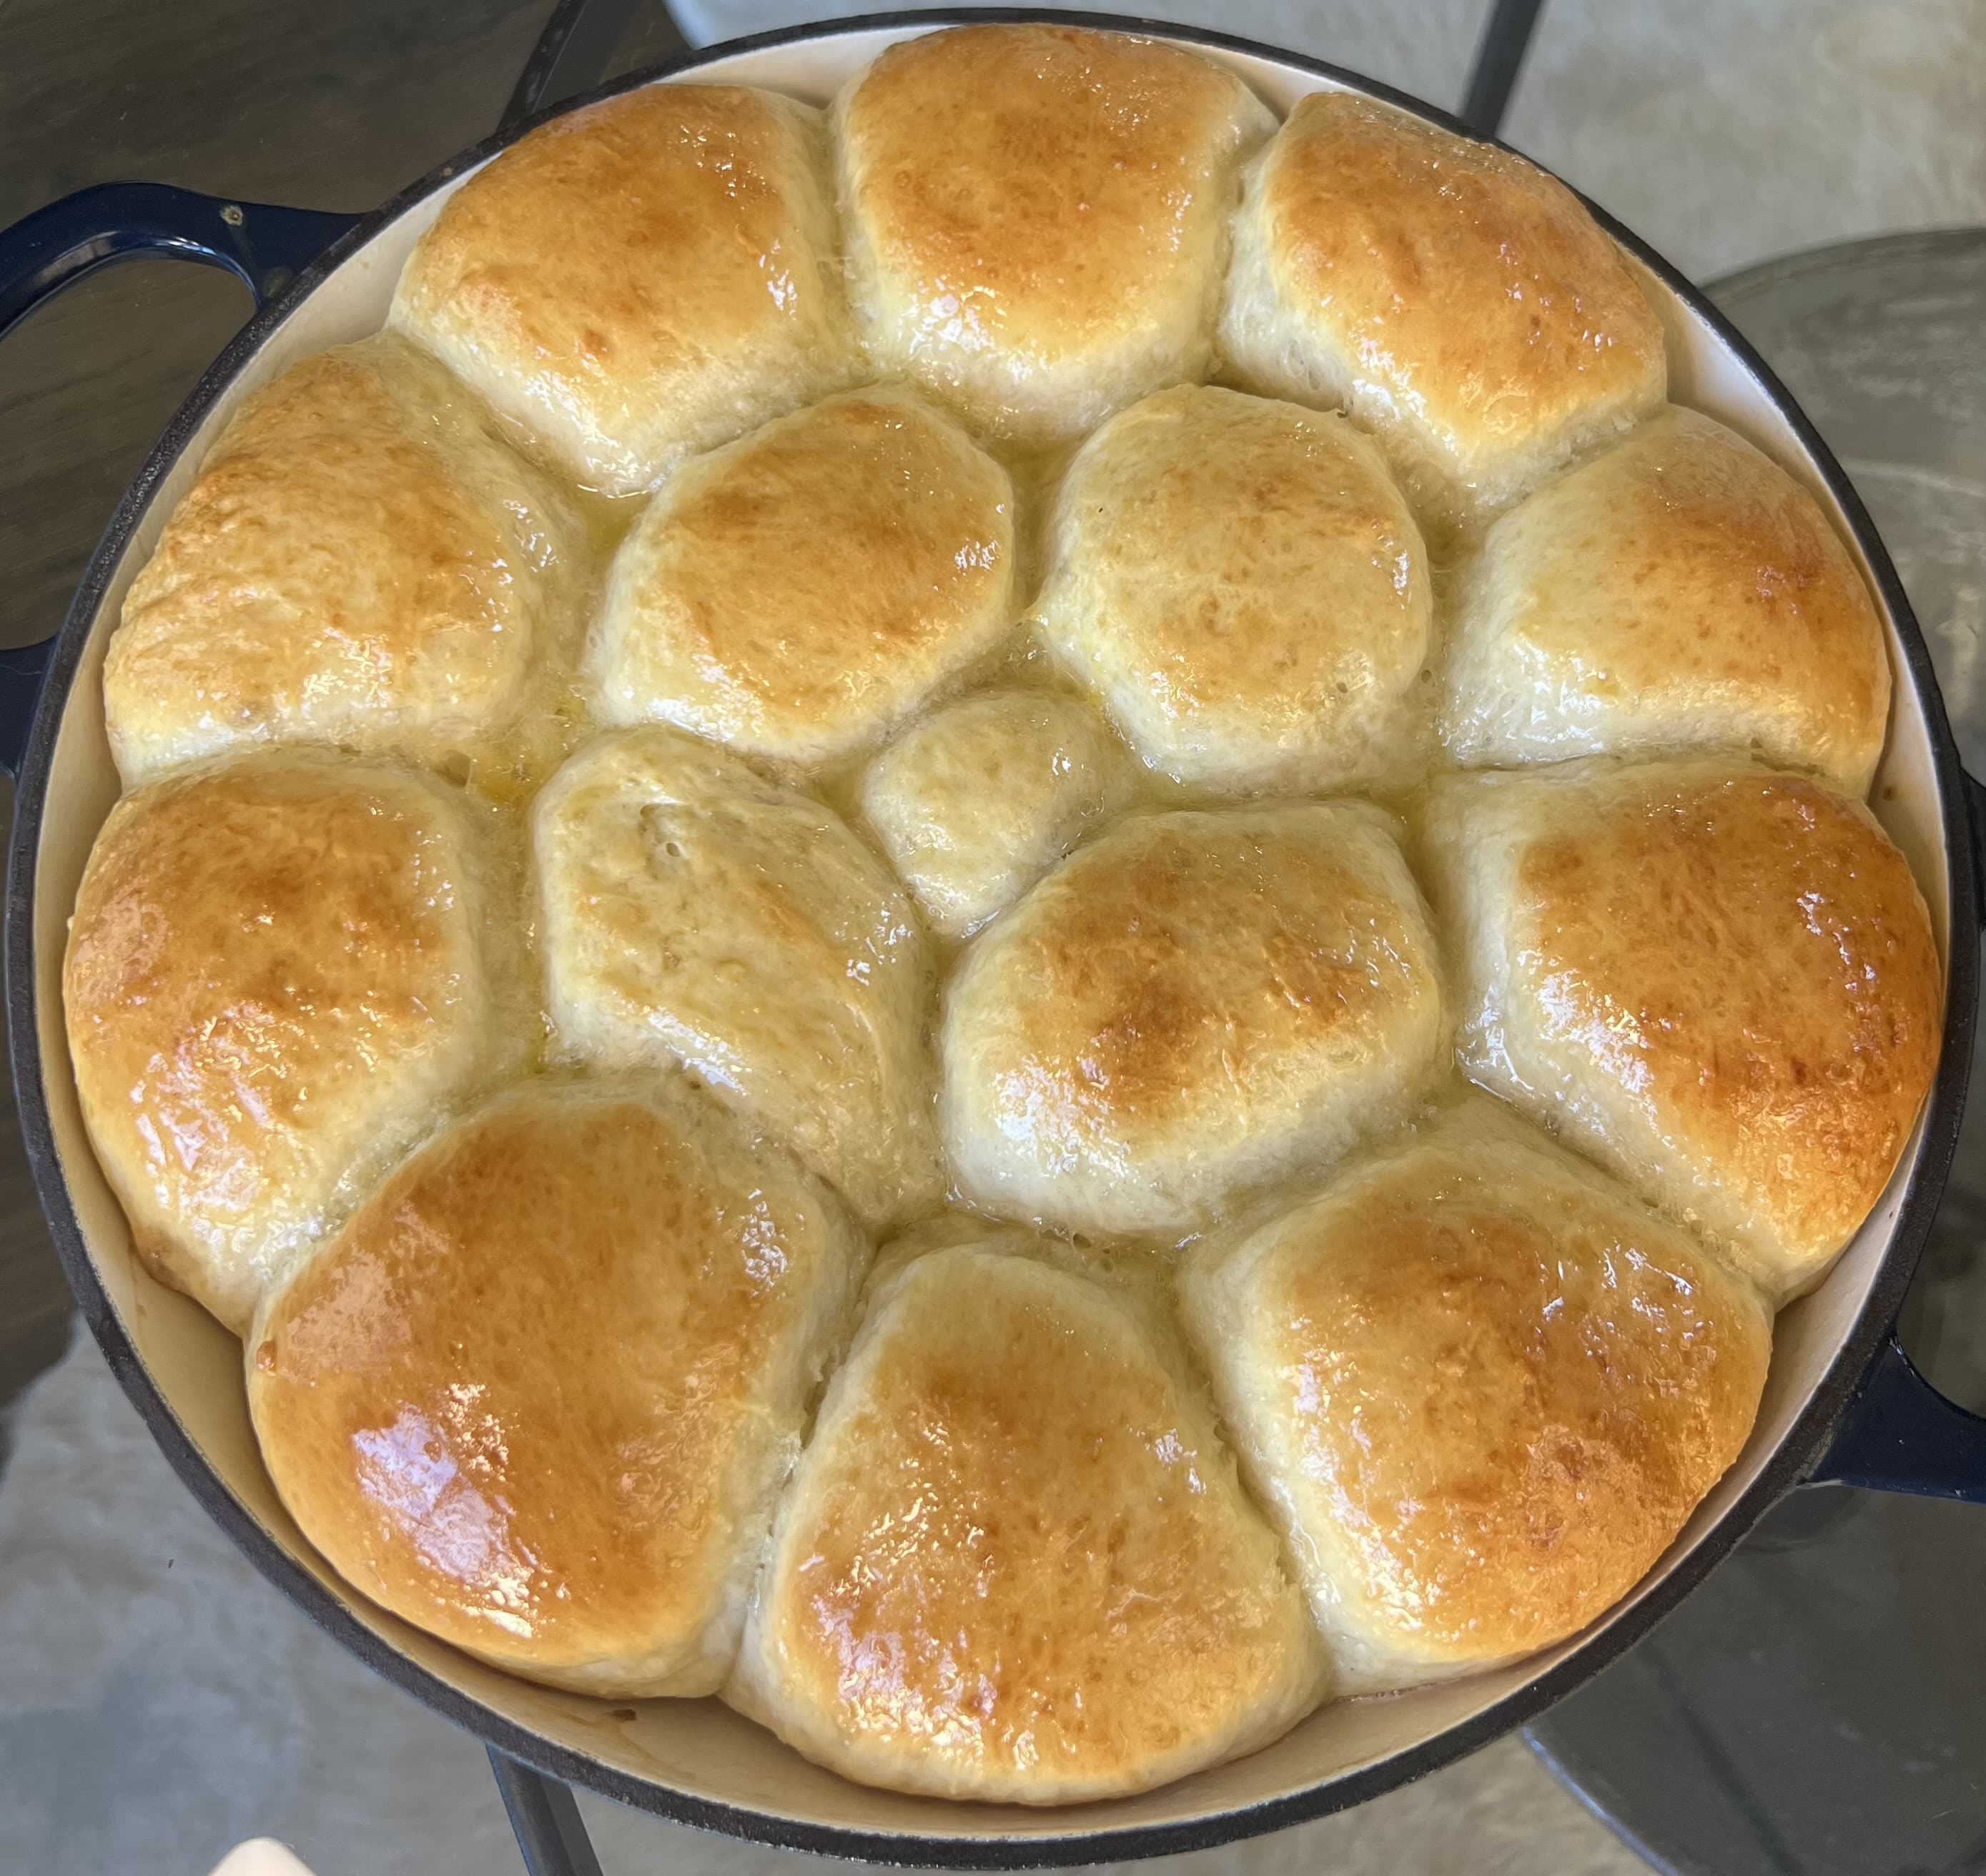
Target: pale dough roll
[[1719, 982], [976, 801], [360, 563], [1460, 302], [1036, 217], [1480, 1389], [1243, 588], [1015, 1563], [1680, 592], [795, 594], [645, 278], [696, 913], [279, 970], [540, 1396], [1191, 1005]]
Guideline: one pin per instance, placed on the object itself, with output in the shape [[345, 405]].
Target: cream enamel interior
[[699, 1749]]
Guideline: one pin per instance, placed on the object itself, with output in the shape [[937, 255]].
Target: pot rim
[[1786, 1466]]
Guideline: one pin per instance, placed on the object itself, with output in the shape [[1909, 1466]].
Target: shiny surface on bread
[[1480, 1388], [1182, 1023], [1035, 217], [277, 973], [1681, 591], [975, 801], [695, 912], [1242, 587], [362, 562], [641, 278], [539, 1396], [1460, 301], [1189, 1006], [794, 594], [1720, 981], [1015, 1563]]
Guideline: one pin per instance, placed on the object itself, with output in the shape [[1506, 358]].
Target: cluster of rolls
[[868, 1001]]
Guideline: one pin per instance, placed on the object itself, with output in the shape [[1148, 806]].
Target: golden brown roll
[[1681, 591], [1242, 587], [1480, 1389], [649, 276], [976, 800], [795, 594], [1035, 217], [1015, 1563], [279, 970], [1191, 1005], [360, 563], [1460, 303], [540, 1396], [696, 913], [1720, 981]]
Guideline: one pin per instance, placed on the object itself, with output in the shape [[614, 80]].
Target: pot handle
[[1900, 1434], [264, 247]]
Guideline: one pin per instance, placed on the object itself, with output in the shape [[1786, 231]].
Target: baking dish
[[1842, 1401]]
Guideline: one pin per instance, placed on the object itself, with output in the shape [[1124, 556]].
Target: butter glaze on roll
[[1480, 1389], [1243, 588], [641, 279], [1190, 1006], [1680, 592], [540, 1396], [1035, 218], [360, 563], [1460, 302], [974, 802], [750, 721], [1015, 1563], [280, 970], [695, 913], [796, 593], [1719, 982]]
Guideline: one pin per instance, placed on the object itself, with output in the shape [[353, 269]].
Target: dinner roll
[[360, 563], [694, 912], [1036, 217], [795, 594], [1459, 301], [1242, 587], [975, 802], [1680, 591], [1480, 1387], [1192, 1005], [1719, 982], [1015, 1563], [646, 276], [540, 1396], [280, 970]]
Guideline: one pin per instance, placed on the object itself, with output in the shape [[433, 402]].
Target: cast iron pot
[[1842, 1402]]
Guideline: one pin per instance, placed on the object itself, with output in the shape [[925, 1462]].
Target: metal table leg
[[571, 54], [1507, 35], [545, 1817]]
